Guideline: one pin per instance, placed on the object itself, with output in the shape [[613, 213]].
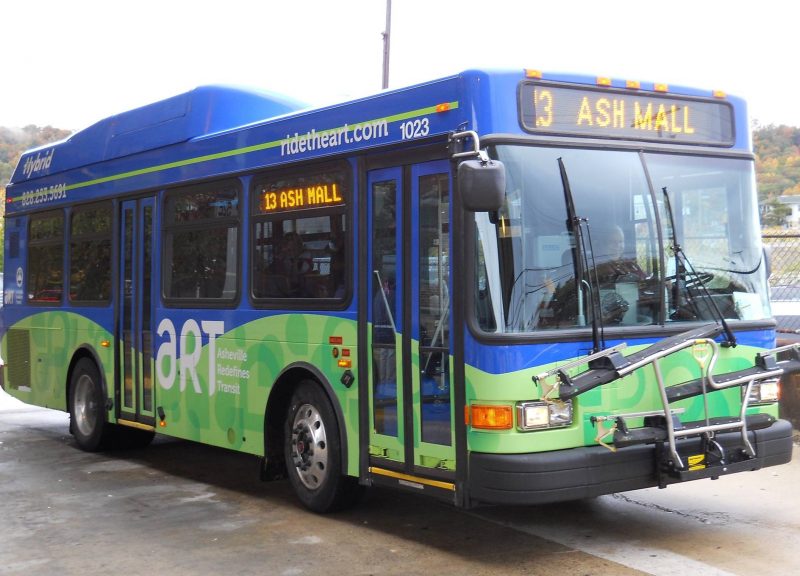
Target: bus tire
[[87, 402], [312, 449]]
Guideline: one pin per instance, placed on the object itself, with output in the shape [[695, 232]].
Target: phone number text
[[44, 195]]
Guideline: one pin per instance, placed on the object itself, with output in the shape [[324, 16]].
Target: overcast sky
[[70, 63]]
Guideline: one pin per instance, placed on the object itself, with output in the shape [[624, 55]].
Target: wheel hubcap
[[85, 405], [309, 447]]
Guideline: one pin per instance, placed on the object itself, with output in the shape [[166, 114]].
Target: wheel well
[[275, 416], [77, 357]]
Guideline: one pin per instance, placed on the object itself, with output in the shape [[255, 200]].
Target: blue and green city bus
[[495, 287]]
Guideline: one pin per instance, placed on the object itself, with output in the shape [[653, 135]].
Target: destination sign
[[609, 113], [315, 195]]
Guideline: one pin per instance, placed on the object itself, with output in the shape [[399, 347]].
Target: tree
[[775, 214], [777, 150]]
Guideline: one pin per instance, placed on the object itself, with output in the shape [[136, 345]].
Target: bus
[[498, 287]]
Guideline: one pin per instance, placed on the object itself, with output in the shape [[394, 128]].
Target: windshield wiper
[[684, 269], [574, 227]]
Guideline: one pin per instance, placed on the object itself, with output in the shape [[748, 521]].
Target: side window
[[45, 258], [300, 229], [201, 243], [90, 254]]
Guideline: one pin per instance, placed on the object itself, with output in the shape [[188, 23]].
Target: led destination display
[[300, 197], [610, 113]]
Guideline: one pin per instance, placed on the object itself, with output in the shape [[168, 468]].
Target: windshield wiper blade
[[574, 227], [683, 268]]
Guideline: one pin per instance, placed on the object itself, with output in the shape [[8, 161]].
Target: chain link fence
[[784, 280]]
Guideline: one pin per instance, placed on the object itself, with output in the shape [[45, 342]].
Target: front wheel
[[88, 421], [313, 452]]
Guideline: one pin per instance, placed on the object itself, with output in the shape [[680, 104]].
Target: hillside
[[777, 160], [777, 151], [14, 142]]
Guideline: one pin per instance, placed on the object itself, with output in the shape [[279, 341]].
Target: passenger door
[[134, 398], [410, 391]]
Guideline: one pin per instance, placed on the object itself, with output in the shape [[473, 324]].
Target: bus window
[[384, 306], [528, 275], [45, 263], [434, 307], [299, 234], [300, 258], [716, 224], [201, 243], [90, 254]]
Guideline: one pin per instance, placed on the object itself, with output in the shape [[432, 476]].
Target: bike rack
[[663, 427]]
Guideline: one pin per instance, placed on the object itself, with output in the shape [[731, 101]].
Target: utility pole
[[386, 40]]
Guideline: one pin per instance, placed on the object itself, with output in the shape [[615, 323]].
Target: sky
[[70, 63]]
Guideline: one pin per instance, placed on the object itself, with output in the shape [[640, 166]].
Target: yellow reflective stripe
[[138, 425], [408, 478]]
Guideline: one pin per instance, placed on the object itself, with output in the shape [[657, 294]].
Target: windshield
[[612, 260]]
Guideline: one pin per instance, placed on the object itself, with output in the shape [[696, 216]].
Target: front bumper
[[587, 472]]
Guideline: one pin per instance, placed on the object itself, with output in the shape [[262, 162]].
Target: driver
[[610, 267], [611, 264]]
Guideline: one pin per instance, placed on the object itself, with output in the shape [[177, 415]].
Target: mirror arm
[[476, 145]]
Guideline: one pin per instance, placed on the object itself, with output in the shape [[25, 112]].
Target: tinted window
[[201, 243], [45, 258], [90, 254]]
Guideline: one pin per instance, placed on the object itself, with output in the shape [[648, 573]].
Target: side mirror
[[482, 185]]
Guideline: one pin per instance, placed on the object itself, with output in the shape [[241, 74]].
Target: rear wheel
[[313, 452], [87, 407]]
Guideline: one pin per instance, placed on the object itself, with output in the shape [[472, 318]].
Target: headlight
[[764, 391], [542, 415]]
